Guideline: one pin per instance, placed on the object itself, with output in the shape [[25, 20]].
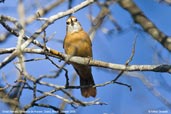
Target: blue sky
[[114, 48]]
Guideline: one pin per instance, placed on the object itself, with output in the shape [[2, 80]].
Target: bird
[[77, 43]]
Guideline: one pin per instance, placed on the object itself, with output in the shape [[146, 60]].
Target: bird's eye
[[67, 23], [75, 20]]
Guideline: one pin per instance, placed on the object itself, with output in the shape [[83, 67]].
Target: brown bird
[[78, 43]]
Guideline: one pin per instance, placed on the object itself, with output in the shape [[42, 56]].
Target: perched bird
[[78, 43]]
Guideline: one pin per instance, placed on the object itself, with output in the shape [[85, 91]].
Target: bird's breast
[[78, 44]]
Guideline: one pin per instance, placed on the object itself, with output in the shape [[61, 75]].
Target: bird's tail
[[86, 80], [87, 91]]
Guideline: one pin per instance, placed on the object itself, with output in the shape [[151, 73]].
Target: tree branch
[[87, 61], [50, 20], [146, 24]]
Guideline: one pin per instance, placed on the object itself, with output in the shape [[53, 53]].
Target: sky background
[[114, 48]]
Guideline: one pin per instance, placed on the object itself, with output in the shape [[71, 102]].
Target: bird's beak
[[72, 23]]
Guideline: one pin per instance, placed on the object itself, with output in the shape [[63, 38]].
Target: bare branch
[[53, 18], [42, 11], [97, 63], [11, 93], [165, 1], [146, 24], [150, 86], [41, 29]]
